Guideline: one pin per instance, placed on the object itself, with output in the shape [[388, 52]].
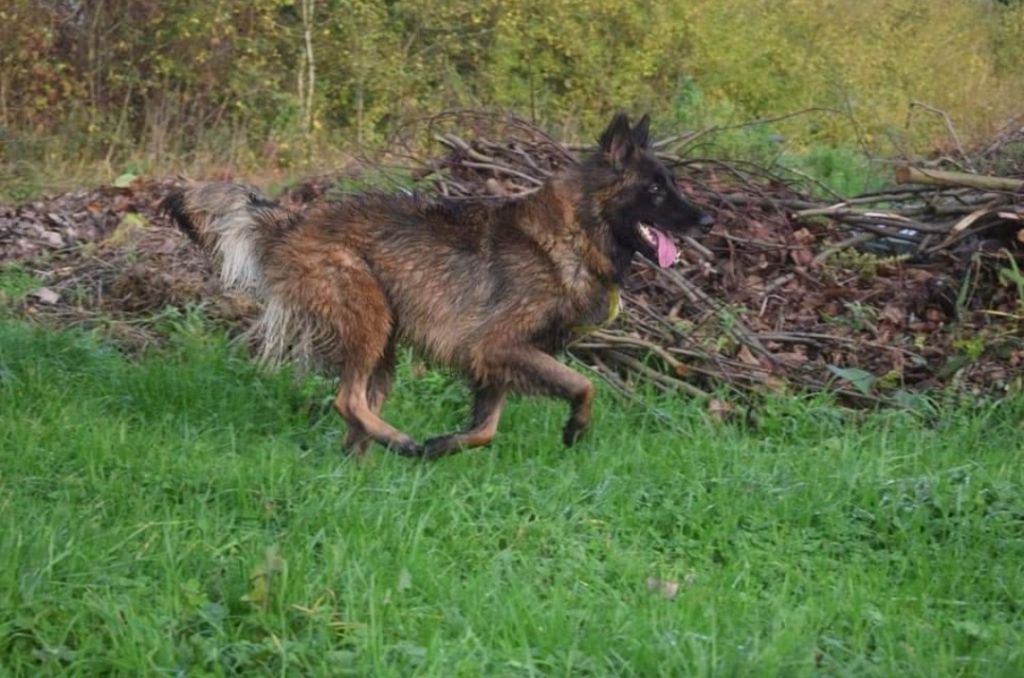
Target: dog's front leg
[[530, 370]]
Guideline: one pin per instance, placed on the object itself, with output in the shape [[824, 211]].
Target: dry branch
[[917, 175]]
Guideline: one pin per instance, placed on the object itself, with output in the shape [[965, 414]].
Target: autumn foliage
[[113, 78]]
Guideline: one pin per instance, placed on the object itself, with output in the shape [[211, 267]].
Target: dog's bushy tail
[[234, 224], [237, 225]]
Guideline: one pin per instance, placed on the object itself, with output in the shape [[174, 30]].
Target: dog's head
[[637, 195]]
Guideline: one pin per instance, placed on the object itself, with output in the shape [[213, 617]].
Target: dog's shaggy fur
[[492, 289]]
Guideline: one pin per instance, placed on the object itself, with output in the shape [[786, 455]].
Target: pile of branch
[[933, 211]]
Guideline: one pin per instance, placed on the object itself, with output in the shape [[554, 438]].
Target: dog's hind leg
[[357, 440], [364, 385], [487, 406], [340, 292], [354, 406]]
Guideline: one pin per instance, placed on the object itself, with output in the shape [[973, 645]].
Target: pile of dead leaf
[[109, 256]]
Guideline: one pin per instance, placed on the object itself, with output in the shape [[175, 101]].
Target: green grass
[[844, 171], [15, 283], [185, 514]]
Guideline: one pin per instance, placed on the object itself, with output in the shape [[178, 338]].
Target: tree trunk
[[310, 64]]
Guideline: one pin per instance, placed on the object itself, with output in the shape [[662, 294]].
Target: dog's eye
[[654, 188]]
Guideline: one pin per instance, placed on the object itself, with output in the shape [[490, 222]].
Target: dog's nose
[[706, 221]]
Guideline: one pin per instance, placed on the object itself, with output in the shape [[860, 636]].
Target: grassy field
[[185, 514]]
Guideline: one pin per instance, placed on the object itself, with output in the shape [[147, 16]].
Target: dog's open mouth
[[662, 245]]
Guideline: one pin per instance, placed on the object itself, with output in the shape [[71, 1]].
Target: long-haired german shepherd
[[490, 289]]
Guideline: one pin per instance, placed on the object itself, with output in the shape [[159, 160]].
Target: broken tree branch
[[909, 174]]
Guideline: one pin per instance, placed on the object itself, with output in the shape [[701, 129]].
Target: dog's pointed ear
[[617, 140], [642, 132]]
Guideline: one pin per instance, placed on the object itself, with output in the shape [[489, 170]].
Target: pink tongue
[[666, 249]]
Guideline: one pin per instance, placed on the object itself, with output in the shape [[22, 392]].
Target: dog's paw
[[572, 432], [406, 448], [438, 447]]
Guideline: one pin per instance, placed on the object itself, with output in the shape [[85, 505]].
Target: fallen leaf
[[802, 256], [721, 410], [747, 357], [45, 295], [803, 236], [133, 219], [893, 314], [666, 588], [262, 577], [861, 380], [125, 180]]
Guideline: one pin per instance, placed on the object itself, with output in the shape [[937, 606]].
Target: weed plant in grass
[[185, 514]]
